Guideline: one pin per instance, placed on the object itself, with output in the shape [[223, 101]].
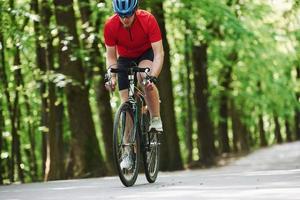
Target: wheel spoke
[[152, 163], [123, 129]]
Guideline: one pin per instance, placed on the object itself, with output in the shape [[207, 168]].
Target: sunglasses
[[127, 15]]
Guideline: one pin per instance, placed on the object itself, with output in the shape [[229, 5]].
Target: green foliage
[[264, 82], [263, 76]]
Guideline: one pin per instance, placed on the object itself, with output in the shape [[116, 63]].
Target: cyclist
[[132, 36]]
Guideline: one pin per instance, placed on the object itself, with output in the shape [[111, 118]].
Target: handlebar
[[129, 70]]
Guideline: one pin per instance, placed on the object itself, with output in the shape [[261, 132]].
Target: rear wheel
[[125, 137], [151, 151]]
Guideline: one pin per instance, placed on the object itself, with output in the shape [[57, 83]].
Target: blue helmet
[[125, 8]]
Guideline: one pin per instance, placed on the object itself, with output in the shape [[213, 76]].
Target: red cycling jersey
[[134, 41]]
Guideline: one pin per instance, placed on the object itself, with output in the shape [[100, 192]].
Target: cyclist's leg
[[123, 82], [123, 95], [152, 96], [129, 123], [123, 91]]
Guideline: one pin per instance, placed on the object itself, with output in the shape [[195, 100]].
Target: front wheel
[[151, 150], [125, 137]]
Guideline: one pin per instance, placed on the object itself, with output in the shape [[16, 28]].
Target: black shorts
[[124, 62]]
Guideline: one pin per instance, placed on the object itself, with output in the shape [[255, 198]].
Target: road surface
[[271, 173]]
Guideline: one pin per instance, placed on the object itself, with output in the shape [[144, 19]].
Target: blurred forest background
[[229, 85]]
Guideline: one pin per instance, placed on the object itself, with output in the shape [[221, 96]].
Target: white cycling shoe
[[156, 124], [127, 161]]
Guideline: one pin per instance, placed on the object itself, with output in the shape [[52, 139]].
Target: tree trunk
[[223, 123], [54, 165], [55, 154], [262, 133], [277, 130], [45, 63], [52, 153], [3, 77], [85, 149], [189, 120], [15, 115], [1, 139], [32, 157], [41, 63], [206, 146], [170, 149], [235, 127], [2, 65], [4, 143], [103, 98], [297, 125], [239, 130], [244, 135], [297, 111], [17, 118], [288, 131]]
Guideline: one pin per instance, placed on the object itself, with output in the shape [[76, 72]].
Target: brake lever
[[107, 76], [151, 79]]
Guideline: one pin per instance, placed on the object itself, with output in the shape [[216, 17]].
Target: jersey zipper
[[130, 35]]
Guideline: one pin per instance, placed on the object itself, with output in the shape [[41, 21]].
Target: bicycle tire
[[149, 150], [127, 177]]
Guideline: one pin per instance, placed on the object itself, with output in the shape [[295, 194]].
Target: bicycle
[[134, 117]]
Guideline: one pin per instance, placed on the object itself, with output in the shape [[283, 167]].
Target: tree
[[85, 153], [14, 107], [1, 139], [288, 130], [262, 134], [239, 129], [238, 59], [189, 120], [277, 131], [205, 131], [52, 112], [103, 99], [171, 157], [223, 112], [297, 110], [2, 63]]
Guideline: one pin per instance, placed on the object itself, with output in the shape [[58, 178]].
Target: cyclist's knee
[[151, 90], [124, 95]]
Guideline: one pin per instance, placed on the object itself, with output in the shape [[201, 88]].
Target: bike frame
[[133, 95], [145, 145]]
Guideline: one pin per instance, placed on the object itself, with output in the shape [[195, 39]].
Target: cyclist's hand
[[150, 83], [110, 84]]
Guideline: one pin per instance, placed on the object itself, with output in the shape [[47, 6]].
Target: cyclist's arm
[[158, 60], [111, 56]]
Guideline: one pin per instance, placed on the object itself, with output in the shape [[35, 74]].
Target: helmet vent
[[125, 6]]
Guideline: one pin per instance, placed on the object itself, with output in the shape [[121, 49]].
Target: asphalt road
[[270, 173]]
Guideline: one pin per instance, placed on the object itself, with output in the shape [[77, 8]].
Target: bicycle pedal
[[126, 170], [128, 144], [154, 131], [154, 144]]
